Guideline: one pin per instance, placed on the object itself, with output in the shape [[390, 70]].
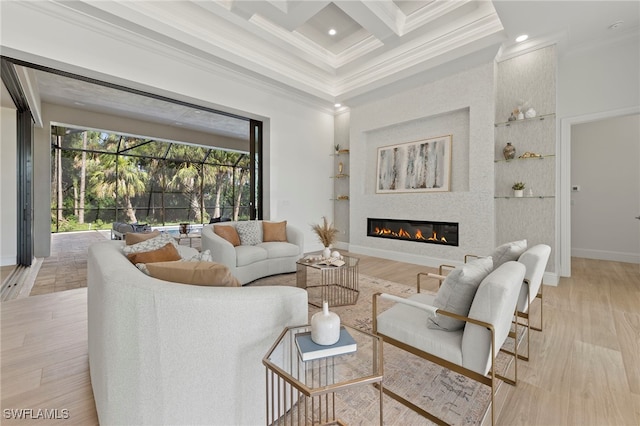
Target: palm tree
[[119, 177], [242, 177], [222, 174]]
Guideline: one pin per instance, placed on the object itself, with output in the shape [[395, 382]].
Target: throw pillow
[[205, 256], [507, 252], [457, 292], [196, 273], [131, 238], [274, 231], [250, 232], [166, 253], [229, 233], [149, 245]]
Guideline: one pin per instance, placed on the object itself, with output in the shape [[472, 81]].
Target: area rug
[[451, 396]]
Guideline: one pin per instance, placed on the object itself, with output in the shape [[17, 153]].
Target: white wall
[[600, 78], [461, 104], [605, 164], [8, 188], [298, 136]]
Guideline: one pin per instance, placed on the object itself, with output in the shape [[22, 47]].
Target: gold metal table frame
[[337, 285], [304, 393]]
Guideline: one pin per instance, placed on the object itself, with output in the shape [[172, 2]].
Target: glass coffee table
[[337, 285], [304, 392]]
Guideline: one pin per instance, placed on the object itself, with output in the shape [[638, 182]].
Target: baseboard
[[8, 260], [432, 262], [551, 278], [615, 256]]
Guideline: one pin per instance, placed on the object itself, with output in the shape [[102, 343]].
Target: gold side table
[[304, 393], [337, 285]]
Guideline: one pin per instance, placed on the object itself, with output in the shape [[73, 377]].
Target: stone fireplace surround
[[461, 105]]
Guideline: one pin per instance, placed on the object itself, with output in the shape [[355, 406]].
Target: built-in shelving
[[524, 120], [530, 196], [526, 158]]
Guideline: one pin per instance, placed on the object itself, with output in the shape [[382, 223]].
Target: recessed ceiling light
[[177, 124], [616, 25], [522, 38], [332, 31], [78, 103], [337, 105]]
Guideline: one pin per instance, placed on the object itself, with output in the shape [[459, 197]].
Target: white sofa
[[164, 353], [250, 262]]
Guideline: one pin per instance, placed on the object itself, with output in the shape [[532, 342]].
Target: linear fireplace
[[422, 231]]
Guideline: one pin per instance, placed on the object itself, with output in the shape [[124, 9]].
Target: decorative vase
[[530, 113], [518, 193], [520, 115], [509, 151], [326, 253], [340, 167], [325, 326]]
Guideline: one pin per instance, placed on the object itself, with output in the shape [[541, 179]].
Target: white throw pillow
[[250, 232], [150, 245], [507, 252], [457, 292], [205, 256]]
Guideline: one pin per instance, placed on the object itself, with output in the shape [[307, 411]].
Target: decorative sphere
[[335, 254]]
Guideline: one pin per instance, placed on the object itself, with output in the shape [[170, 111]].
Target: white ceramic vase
[[325, 326], [326, 253], [518, 193]]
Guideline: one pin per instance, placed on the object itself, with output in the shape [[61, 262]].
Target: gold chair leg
[[539, 296]]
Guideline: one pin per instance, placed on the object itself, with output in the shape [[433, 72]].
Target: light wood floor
[[584, 367]]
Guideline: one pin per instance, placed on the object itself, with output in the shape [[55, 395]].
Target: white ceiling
[[378, 44]]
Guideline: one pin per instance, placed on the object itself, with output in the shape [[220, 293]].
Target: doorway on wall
[[600, 198]]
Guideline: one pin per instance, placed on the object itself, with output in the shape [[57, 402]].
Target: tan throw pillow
[[164, 254], [229, 233], [135, 237], [274, 231], [196, 273]]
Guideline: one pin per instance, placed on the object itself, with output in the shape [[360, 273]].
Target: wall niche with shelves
[[523, 82], [340, 197]]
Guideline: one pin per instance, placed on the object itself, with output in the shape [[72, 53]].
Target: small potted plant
[[518, 189]]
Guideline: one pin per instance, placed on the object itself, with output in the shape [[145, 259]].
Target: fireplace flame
[[404, 234], [434, 237]]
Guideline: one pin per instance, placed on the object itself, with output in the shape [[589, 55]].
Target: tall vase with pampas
[[326, 234]]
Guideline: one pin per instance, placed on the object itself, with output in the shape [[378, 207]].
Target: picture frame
[[418, 166]]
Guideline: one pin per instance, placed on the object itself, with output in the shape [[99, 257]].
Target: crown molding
[[420, 51]]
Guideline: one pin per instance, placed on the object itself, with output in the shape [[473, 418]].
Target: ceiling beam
[[383, 19], [287, 14]]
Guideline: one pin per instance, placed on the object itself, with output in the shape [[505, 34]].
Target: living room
[[301, 127]]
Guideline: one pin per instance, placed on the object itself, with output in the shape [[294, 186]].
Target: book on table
[[333, 261], [310, 350]]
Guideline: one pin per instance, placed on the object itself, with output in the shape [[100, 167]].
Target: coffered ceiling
[[287, 42], [378, 45]]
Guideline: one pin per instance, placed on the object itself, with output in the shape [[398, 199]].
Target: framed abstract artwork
[[420, 166]]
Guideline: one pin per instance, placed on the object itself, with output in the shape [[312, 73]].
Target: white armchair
[[471, 350], [535, 260]]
